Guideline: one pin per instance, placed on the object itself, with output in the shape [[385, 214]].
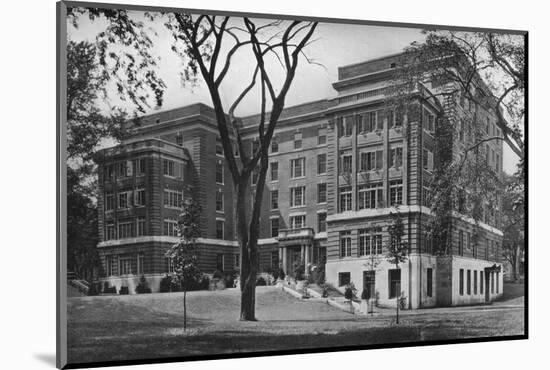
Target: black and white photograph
[[239, 185]]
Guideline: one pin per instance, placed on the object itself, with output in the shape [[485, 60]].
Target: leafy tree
[[207, 44], [514, 221], [397, 249], [184, 254], [91, 68]]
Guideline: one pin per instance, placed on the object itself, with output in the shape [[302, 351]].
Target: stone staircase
[[78, 285]]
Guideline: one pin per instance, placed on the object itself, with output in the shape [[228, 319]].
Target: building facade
[[338, 169]]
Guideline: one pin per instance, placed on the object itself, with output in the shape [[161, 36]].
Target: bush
[[123, 290], [324, 292], [107, 289], [350, 292], [365, 294], [229, 280], [281, 274], [317, 275], [298, 269], [93, 290], [105, 286], [143, 286], [261, 282], [217, 274], [165, 284]]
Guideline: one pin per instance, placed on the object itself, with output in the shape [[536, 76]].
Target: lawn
[[151, 325]]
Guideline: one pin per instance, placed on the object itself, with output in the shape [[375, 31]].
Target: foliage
[[324, 291], [513, 221], [350, 292], [143, 286], [402, 301], [217, 274], [317, 274], [281, 274], [123, 290], [93, 290], [397, 247], [261, 281], [365, 294], [298, 269]]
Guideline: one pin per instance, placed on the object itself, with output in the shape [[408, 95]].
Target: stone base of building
[[423, 280]]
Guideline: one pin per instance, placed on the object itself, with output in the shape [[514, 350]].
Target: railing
[[299, 232]]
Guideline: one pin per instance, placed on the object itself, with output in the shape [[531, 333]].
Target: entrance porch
[[296, 246]]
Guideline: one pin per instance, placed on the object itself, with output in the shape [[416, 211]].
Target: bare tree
[[208, 44]]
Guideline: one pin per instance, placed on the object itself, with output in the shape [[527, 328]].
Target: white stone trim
[[163, 239], [321, 235], [377, 212], [267, 241]]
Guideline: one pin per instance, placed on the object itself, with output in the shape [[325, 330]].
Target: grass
[[151, 326]]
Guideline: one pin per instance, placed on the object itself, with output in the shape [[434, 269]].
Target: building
[[338, 168]]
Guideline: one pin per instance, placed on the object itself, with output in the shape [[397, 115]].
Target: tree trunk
[[185, 309], [248, 256], [398, 295]]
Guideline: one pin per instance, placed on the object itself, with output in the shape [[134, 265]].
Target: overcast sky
[[335, 45]]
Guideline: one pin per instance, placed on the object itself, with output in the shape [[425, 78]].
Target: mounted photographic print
[[240, 184]]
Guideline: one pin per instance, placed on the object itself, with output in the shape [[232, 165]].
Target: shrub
[[298, 269], [93, 290], [365, 294], [105, 286], [165, 284], [107, 289], [317, 275], [324, 292], [229, 280], [281, 273], [123, 290], [350, 292], [143, 286], [217, 274], [261, 282]]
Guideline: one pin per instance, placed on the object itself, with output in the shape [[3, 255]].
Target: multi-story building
[[338, 169]]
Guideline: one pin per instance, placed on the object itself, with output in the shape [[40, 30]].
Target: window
[[297, 140], [219, 172], [487, 249], [125, 169], [170, 228], [429, 282], [168, 168], [390, 116], [475, 282], [321, 136], [125, 230], [140, 166], [322, 192], [139, 197], [220, 229], [370, 161], [321, 164], [169, 265], [460, 243], [297, 167], [112, 265], [274, 166], [219, 262], [126, 265], [219, 147], [274, 227], [110, 232], [109, 172], [370, 196], [368, 123], [237, 261], [297, 196], [370, 242], [428, 123], [396, 157], [481, 282], [394, 283], [140, 227], [427, 160], [123, 200], [369, 283], [172, 198], [345, 161], [497, 163], [461, 281], [140, 264], [427, 243], [109, 202], [345, 126], [396, 192], [468, 240], [344, 198], [492, 276], [345, 244], [297, 221], [274, 260], [274, 195], [344, 278], [426, 194], [321, 222], [219, 201], [468, 282], [498, 281], [274, 145]]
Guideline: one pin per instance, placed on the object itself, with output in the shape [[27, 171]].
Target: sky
[[335, 45]]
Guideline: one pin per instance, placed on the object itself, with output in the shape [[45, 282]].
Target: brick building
[[338, 168]]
